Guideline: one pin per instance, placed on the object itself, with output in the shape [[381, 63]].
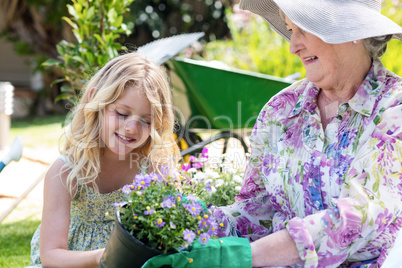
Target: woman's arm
[[55, 224], [277, 249]]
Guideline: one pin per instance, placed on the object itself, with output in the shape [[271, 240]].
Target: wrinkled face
[[326, 65], [127, 122]]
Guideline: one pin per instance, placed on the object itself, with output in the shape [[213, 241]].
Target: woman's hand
[[277, 249]]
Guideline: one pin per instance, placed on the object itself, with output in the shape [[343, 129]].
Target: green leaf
[[90, 58], [65, 88], [72, 11], [364, 219], [78, 59], [236, 214], [376, 186], [77, 35], [99, 38], [70, 22], [57, 81], [90, 13], [266, 223], [61, 48], [118, 21], [62, 97], [376, 119], [50, 62]]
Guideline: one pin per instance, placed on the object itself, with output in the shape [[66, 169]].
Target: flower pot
[[124, 250]]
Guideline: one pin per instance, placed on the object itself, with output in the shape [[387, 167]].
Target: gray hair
[[376, 46]]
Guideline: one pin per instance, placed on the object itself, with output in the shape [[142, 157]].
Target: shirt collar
[[307, 98], [362, 102], [365, 98]]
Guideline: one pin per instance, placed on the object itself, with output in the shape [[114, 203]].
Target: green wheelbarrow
[[209, 96]]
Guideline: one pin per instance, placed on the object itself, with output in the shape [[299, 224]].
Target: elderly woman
[[324, 183], [323, 186]]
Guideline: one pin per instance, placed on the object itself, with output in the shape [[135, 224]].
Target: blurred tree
[[36, 26], [154, 19]]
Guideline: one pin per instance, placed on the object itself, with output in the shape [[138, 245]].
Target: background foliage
[[162, 18], [255, 47], [35, 27], [96, 26], [235, 37]]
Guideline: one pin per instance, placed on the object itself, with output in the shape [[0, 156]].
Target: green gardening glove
[[225, 252]]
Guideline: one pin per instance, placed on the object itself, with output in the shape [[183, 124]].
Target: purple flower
[[164, 169], [142, 181], [204, 239], [168, 202], [149, 211], [383, 220], [189, 236], [204, 223], [197, 165], [185, 167], [191, 198], [245, 227], [208, 187], [269, 164], [155, 177], [127, 189], [179, 197], [257, 209], [204, 152], [342, 236], [194, 208], [213, 228], [160, 222], [192, 158]]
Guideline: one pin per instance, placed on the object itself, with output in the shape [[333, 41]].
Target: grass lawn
[[15, 236], [37, 132], [15, 245]]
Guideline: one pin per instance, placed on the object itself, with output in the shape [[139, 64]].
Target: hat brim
[[333, 23]]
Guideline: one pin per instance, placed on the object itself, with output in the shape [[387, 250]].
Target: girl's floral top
[[338, 192], [91, 221], [92, 217]]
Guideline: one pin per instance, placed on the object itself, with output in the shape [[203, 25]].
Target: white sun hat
[[333, 21]]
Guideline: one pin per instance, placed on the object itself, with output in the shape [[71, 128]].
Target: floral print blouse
[[339, 191]]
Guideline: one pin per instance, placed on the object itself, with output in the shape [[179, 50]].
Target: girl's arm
[[55, 224]]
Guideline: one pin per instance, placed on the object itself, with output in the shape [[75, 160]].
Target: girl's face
[[127, 122]]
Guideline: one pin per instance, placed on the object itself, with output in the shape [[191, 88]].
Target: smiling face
[[327, 65], [127, 122]]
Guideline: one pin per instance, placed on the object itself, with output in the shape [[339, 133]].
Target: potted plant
[[165, 214]]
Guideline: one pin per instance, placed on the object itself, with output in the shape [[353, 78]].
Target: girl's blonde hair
[[83, 146]]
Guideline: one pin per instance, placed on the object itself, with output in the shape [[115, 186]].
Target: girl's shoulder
[[58, 168], [56, 176]]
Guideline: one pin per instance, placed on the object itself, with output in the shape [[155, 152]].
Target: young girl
[[122, 126]]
